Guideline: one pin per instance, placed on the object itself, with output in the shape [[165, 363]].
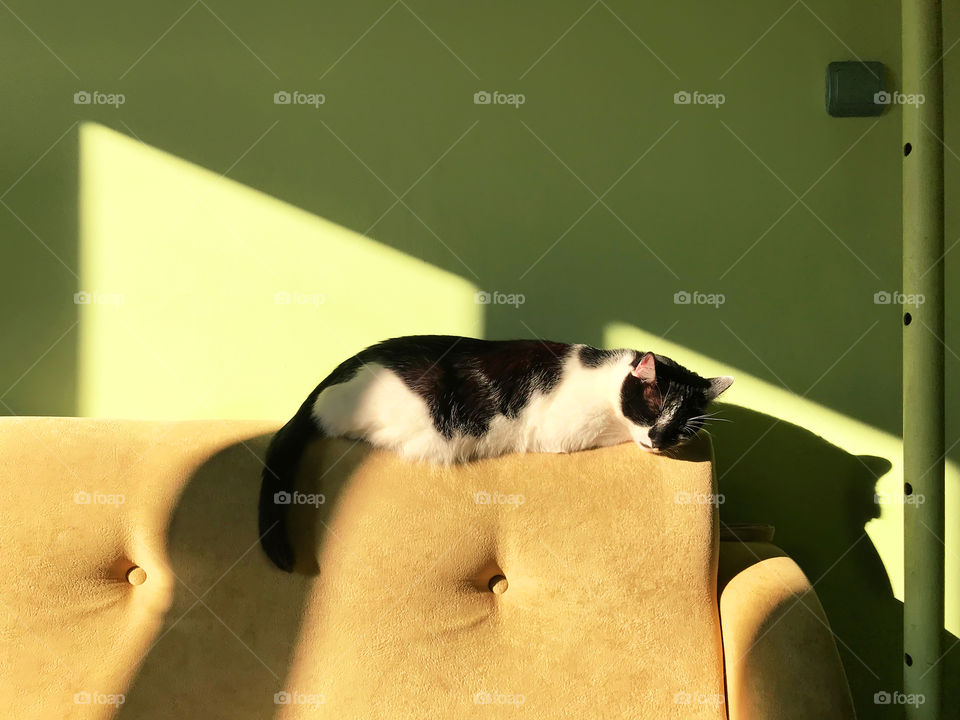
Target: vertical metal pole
[[923, 361]]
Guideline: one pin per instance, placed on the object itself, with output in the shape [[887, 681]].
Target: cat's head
[[665, 403]]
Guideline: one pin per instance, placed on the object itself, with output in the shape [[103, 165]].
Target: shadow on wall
[[229, 641], [507, 197], [819, 498]]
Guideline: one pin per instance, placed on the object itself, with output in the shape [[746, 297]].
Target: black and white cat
[[449, 399]]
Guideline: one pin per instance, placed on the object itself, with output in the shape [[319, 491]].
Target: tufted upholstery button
[[136, 575], [382, 507]]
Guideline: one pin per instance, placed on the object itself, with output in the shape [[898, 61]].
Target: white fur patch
[[582, 411], [641, 436], [377, 406]]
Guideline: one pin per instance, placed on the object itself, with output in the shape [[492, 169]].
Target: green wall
[[506, 198]]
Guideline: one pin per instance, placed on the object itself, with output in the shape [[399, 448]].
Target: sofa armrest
[[780, 658]]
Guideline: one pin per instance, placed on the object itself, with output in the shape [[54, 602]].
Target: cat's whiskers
[[703, 421], [663, 397], [705, 415]]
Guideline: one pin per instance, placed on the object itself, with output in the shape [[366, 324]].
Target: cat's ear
[[718, 385], [646, 369]]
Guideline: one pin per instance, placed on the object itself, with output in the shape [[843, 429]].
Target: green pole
[[923, 361]]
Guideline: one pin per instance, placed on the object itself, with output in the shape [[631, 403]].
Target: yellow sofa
[[132, 585]]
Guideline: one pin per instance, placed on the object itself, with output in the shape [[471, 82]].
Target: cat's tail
[[277, 486]]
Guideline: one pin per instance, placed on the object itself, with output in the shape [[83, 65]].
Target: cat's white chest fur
[[581, 411]]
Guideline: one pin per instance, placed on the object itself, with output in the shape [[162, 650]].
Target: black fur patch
[[675, 387], [592, 357], [280, 469], [466, 382], [639, 401]]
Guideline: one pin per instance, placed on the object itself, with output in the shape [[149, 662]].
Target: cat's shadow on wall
[[819, 498], [228, 654]]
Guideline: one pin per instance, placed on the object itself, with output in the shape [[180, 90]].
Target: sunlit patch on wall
[[848, 434], [203, 298]]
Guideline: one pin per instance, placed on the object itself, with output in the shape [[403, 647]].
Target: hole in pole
[[907, 489], [907, 147], [907, 659], [907, 318]]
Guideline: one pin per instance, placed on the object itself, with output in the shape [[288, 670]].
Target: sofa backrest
[[133, 585]]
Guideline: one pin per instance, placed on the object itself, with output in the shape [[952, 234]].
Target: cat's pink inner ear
[[646, 369]]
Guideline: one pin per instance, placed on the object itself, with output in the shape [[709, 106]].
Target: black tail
[[279, 476]]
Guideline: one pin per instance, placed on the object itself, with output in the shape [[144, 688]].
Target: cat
[[447, 399]]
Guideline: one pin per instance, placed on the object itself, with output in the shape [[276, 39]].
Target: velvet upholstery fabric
[[552, 586]]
